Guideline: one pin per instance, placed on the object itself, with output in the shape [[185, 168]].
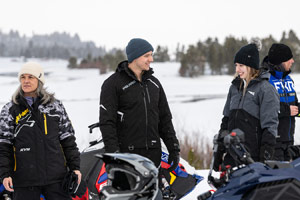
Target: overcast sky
[[112, 23]]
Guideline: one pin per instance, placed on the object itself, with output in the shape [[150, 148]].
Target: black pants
[[50, 192], [281, 151]]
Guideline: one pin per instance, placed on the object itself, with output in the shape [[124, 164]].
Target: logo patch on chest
[[24, 149], [252, 93], [128, 85]]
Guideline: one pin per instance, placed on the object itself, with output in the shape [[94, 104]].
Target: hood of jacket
[[277, 71]]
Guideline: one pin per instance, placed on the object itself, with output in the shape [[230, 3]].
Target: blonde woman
[[252, 105]]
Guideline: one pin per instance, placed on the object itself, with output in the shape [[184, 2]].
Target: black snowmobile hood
[[123, 67]]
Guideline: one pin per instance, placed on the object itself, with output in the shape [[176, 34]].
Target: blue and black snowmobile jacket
[[255, 112], [135, 114], [37, 143], [284, 85]]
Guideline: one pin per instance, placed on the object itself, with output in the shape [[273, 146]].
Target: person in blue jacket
[[279, 62]]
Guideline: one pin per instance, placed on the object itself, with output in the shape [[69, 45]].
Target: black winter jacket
[[135, 114], [36, 143], [255, 112]]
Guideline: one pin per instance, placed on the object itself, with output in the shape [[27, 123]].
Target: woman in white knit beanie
[[37, 142]]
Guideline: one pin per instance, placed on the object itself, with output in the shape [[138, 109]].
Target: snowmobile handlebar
[[233, 142], [97, 141], [92, 126]]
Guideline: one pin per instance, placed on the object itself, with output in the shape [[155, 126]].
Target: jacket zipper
[[286, 100], [146, 112], [38, 120], [15, 167], [45, 124], [256, 132], [236, 114], [148, 93]]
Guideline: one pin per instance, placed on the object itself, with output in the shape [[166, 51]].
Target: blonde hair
[[41, 91], [252, 74]]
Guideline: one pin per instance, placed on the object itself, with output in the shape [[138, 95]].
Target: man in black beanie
[[134, 112], [279, 62]]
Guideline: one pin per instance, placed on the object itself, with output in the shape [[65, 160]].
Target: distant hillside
[[55, 45]]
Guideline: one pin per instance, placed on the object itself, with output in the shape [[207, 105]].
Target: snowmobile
[[95, 177], [251, 180], [99, 183]]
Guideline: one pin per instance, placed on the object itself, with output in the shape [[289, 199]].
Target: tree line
[[55, 45], [216, 59], [110, 60], [205, 57]]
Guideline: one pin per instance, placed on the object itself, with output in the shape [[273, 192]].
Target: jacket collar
[[123, 67], [22, 101]]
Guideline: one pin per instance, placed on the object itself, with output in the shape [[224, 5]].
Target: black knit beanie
[[136, 48], [279, 53], [248, 55]]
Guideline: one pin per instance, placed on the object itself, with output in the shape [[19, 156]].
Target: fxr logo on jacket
[[285, 88], [288, 85]]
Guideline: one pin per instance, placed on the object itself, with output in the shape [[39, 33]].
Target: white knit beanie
[[34, 69]]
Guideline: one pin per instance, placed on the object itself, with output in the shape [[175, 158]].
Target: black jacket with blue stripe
[[284, 85]]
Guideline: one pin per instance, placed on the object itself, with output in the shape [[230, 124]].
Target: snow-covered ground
[[196, 103]]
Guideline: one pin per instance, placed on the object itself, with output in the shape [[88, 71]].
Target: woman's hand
[[77, 172], [8, 184]]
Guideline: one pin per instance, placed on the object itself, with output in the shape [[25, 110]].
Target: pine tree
[[161, 54], [72, 62]]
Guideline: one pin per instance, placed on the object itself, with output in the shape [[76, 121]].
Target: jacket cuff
[[74, 167], [173, 147], [268, 138], [298, 115], [5, 175]]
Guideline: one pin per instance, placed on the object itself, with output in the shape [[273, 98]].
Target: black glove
[[219, 152], [81, 189], [266, 152], [69, 184], [173, 158], [218, 160]]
